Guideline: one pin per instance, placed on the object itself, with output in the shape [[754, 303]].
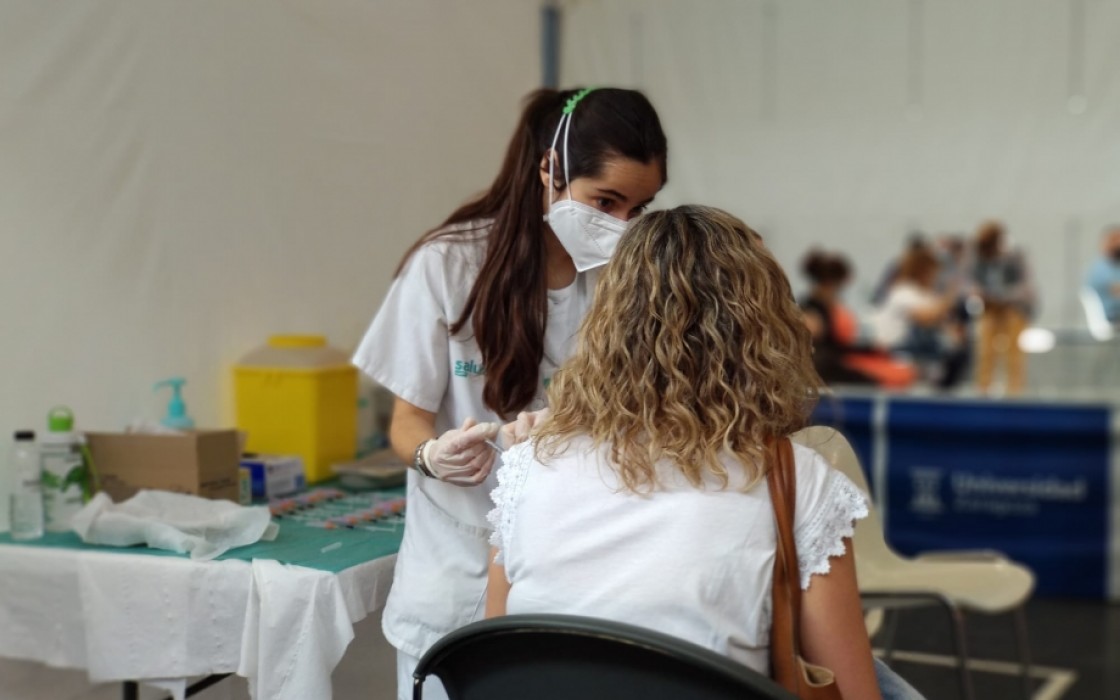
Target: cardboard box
[[272, 476], [203, 463]]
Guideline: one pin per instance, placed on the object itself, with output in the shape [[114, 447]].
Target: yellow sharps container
[[298, 396]]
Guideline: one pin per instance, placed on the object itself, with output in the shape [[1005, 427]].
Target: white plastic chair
[[1099, 326], [972, 581], [1103, 331]]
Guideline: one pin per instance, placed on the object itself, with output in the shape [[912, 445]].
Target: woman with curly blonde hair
[[642, 498]]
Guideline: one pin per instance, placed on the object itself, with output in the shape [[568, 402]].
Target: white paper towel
[[173, 521]]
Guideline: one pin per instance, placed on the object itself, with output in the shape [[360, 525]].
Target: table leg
[[206, 683], [130, 690]]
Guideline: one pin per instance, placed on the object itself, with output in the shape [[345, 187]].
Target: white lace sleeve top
[[695, 563]]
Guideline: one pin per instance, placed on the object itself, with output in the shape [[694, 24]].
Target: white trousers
[[406, 664]]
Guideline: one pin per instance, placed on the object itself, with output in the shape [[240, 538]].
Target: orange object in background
[[886, 371], [845, 327]]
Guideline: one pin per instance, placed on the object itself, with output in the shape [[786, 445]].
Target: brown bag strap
[[785, 628]]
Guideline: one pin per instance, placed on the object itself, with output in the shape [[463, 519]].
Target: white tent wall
[[850, 124], [181, 178]]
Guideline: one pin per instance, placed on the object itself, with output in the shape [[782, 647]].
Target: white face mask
[[587, 234]]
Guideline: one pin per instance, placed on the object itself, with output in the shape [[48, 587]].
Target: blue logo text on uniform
[[467, 368]]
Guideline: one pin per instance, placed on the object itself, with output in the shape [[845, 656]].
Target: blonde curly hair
[[692, 349]]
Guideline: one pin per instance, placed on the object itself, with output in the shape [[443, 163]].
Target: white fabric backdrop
[[821, 122], [178, 179], [181, 178]]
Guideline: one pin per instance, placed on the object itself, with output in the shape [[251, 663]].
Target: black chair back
[[564, 657]]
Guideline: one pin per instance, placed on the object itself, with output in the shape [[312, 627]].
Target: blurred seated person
[[1003, 281], [840, 355], [916, 322], [1104, 275]]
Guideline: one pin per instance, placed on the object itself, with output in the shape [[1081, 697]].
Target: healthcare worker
[[482, 311]]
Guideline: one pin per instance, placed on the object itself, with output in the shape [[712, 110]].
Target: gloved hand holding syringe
[[461, 456]]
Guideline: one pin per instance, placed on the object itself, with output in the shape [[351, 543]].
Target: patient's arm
[[832, 629], [497, 588]]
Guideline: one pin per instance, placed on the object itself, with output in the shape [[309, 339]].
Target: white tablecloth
[[160, 620]]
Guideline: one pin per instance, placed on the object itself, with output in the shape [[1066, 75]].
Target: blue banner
[[1031, 481]]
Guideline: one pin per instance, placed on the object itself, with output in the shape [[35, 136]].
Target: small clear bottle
[[27, 488]]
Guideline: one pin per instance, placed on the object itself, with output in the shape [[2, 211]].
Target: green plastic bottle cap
[[60, 419]]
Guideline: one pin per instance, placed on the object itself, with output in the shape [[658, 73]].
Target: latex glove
[[461, 456], [520, 429]]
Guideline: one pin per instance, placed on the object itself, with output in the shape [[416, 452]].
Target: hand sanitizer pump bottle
[[176, 418]]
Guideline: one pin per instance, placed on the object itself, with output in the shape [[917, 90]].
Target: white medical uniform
[[440, 579], [695, 564]]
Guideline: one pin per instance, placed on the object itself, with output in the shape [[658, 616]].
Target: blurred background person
[[1104, 274], [842, 353], [953, 277], [951, 250], [914, 240], [1003, 281], [914, 321]]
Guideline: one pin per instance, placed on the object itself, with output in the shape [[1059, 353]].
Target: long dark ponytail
[[508, 305]]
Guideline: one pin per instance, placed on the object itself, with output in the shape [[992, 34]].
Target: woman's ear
[[557, 183]]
